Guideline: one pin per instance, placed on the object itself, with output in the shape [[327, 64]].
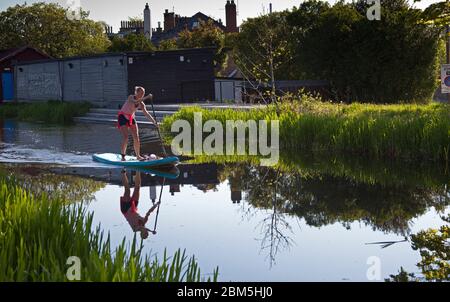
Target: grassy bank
[[53, 112], [407, 132], [39, 234]]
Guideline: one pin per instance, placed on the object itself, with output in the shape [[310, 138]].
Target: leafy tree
[[261, 51], [131, 42], [437, 13], [231, 40], [170, 44], [135, 19], [46, 27], [391, 60], [205, 35]]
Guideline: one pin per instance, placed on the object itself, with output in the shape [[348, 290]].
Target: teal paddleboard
[[172, 173], [131, 161]]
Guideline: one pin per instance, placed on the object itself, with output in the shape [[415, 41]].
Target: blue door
[[7, 85]]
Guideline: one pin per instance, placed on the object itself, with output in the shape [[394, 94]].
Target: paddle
[[157, 128]]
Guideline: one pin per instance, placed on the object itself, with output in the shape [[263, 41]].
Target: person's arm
[[125, 182], [148, 97], [145, 98], [148, 115], [151, 210]]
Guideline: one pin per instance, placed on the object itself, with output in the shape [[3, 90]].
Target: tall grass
[[408, 132], [53, 112], [38, 234]]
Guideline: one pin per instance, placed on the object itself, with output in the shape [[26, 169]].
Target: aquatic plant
[[39, 234]]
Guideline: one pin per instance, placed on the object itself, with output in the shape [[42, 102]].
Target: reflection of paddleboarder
[[129, 204]]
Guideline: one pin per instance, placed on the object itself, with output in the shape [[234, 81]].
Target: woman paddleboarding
[[126, 121]]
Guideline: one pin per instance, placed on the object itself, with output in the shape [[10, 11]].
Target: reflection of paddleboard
[[172, 173], [131, 161]]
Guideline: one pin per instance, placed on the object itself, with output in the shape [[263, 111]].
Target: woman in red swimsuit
[[126, 120], [129, 203]]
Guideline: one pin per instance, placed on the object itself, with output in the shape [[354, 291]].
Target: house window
[[130, 60], [195, 24]]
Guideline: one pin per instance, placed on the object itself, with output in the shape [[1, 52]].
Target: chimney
[[147, 22], [159, 29], [169, 20], [270, 8], [231, 17]]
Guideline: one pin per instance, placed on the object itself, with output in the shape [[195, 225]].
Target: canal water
[[309, 219]]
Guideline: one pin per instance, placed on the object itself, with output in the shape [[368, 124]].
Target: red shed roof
[[11, 52]]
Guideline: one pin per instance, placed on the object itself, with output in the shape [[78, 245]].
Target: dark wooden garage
[[179, 76]]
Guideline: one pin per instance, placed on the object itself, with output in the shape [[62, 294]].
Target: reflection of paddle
[[157, 211], [159, 205], [385, 244]]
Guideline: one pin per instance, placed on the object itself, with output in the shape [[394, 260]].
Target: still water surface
[[314, 222]]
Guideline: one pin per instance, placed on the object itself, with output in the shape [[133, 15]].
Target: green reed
[[53, 112], [38, 234], [406, 132]]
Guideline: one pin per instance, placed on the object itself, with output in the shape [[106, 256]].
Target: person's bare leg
[[123, 147], [137, 186], [136, 141]]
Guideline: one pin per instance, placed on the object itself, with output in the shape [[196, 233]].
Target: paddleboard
[[131, 161], [172, 173]]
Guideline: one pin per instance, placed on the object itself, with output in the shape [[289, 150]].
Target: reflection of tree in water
[[274, 227], [65, 187], [324, 200]]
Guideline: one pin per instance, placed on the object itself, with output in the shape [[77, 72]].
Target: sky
[[113, 11]]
